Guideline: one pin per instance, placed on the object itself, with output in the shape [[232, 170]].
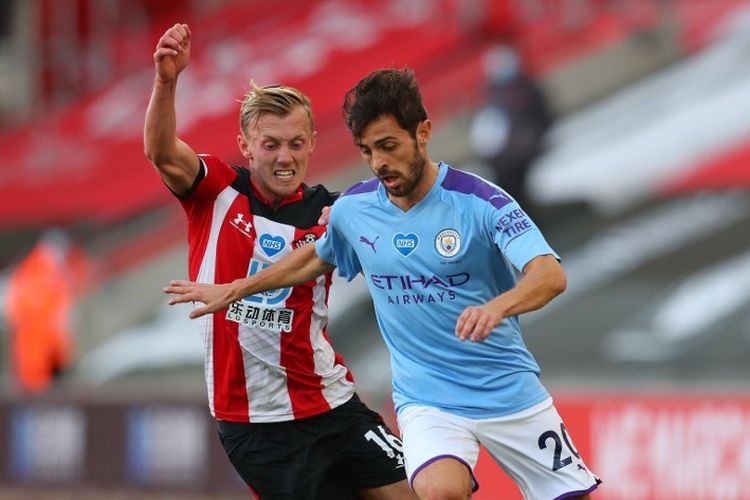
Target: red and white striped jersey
[[268, 357]]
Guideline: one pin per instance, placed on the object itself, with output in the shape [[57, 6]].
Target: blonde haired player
[[283, 399]]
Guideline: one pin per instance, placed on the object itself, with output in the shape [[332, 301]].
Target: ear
[[424, 132], [244, 146], [312, 140]]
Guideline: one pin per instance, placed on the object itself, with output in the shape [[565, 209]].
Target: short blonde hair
[[279, 100]]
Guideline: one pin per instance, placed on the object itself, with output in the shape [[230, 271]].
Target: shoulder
[[211, 162], [362, 188], [359, 195], [301, 210], [307, 210], [318, 195], [213, 176], [353, 201], [217, 172], [242, 175], [474, 189]]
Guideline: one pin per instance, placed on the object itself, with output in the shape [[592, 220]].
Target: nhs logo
[[271, 245], [405, 243]]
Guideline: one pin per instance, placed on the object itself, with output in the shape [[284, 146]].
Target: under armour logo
[[240, 222], [371, 244]]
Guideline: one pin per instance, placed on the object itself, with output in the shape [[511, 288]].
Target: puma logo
[[371, 244]]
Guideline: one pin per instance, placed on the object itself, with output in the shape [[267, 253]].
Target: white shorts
[[532, 446]]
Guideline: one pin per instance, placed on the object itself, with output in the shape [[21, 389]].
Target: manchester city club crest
[[448, 242]]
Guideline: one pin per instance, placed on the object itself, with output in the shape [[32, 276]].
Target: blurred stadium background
[[642, 188]]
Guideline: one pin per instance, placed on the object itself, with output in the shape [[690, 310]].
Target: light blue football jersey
[[457, 247]]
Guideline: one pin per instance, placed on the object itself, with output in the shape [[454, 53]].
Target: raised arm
[[543, 280], [176, 162], [300, 266]]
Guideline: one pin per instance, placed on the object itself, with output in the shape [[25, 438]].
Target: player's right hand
[[172, 52], [215, 297]]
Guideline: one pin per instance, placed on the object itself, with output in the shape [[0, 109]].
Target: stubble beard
[[415, 171]]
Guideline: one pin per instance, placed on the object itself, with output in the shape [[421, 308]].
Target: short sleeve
[[335, 248], [516, 235], [214, 177]]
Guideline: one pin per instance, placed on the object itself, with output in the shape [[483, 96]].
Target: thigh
[[369, 454], [334, 485], [279, 461], [536, 450], [431, 435]]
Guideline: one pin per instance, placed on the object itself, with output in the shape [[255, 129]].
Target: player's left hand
[[476, 323], [215, 297]]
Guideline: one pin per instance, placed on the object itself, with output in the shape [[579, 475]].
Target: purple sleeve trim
[[475, 483], [363, 187], [462, 182]]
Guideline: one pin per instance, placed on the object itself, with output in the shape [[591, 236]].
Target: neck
[[266, 196]]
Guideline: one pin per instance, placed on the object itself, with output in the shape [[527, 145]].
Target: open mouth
[[284, 174], [389, 180]]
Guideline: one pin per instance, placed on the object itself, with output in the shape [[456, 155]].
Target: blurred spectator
[[41, 293], [7, 11], [507, 133]]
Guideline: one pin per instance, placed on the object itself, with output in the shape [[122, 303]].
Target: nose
[[377, 161], [284, 155]]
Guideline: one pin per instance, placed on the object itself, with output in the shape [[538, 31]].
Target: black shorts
[[328, 456]]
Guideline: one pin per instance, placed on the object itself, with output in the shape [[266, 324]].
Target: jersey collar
[[296, 196]]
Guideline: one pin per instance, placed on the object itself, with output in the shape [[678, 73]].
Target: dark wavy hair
[[385, 92]]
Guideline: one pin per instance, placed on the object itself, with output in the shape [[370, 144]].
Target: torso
[[267, 358], [432, 262]]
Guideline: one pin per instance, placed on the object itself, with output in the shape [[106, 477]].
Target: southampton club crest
[[448, 243]]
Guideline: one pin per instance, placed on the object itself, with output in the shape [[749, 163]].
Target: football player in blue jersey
[[440, 250]]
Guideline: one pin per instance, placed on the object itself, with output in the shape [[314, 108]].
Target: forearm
[[300, 266], [162, 146], [160, 130], [543, 280], [176, 162]]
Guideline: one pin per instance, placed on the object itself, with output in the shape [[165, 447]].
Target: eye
[[389, 146], [365, 151], [270, 145], [298, 144]]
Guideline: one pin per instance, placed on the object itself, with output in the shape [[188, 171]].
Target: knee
[[442, 491], [444, 479]]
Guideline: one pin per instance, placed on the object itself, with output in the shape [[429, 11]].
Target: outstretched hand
[[215, 297], [172, 52]]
